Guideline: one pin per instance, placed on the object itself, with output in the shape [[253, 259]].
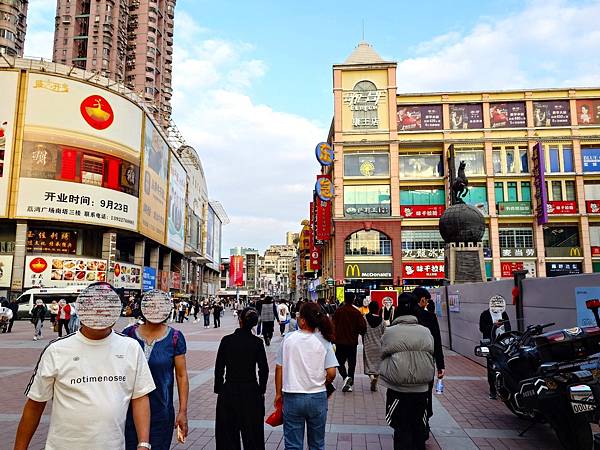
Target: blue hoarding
[[148, 279], [591, 159]]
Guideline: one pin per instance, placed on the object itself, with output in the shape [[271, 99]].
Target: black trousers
[[430, 401], [217, 320], [345, 353], [491, 376], [406, 413], [240, 410], [282, 328], [63, 323], [267, 330], [10, 324]]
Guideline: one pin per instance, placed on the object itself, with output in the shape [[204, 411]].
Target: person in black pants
[[267, 317], [493, 322], [217, 308], [240, 401], [14, 307]]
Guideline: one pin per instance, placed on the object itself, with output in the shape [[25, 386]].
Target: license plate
[[581, 407], [582, 399]]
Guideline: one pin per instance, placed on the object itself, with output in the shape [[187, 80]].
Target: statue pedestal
[[465, 263]]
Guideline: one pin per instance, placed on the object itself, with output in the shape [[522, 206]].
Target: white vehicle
[[27, 299]]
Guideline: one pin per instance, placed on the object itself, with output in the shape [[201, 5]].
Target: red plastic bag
[[276, 417]]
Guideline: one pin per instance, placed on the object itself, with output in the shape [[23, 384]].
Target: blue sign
[[585, 317], [324, 154], [324, 188], [591, 159], [148, 279]]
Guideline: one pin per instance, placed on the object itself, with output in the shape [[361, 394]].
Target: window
[[561, 237], [516, 238], [422, 239], [370, 200], [592, 191], [510, 160], [422, 197], [477, 196], [474, 159], [366, 165], [421, 165], [369, 243], [562, 190], [512, 191], [559, 158], [595, 236]]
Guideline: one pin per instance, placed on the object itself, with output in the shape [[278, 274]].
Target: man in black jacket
[[493, 322], [430, 321]]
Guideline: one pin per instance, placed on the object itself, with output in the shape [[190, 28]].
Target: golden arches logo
[[352, 270], [575, 251]]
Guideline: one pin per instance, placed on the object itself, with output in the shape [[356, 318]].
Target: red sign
[[595, 251], [97, 112], [423, 269], [593, 206], [315, 258], [380, 296], [323, 224], [236, 271], [176, 280], [562, 207], [507, 268], [422, 211], [163, 280], [38, 265]]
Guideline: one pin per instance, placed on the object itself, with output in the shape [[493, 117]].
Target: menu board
[[466, 116], [60, 271], [127, 276], [551, 114], [508, 115], [419, 117], [51, 241], [588, 112]]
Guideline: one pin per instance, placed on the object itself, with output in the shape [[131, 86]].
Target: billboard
[[62, 271], [81, 154], [591, 159], [423, 269], [154, 183], [419, 117], [6, 263], [148, 278], [588, 112], [177, 191], [217, 228], [508, 115], [236, 271], [466, 116], [551, 114], [9, 82], [127, 276], [51, 240]]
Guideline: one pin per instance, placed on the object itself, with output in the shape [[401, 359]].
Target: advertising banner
[[595, 251], [423, 269], [324, 154], [163, 280], [561, 252], [422, 211], [466, 116], [509, 252], [514, 208], [8, 83], [591, 159], [6, 263], [593, 206], [588, 112], [423, 253], [177, 190], [508, 115], [323, 231], [454, 303], [154, 184], [315, 258], [368, 210], [148, 278], [176, 277], [51, 241], [563, 207], [62, 271], [541, 190], [127, 276], [507, 268], [324, 188], [420, 117], [551, 114], [210, 232], [381, 296], [557, 269], [585, 317], [236, 271], [355, 271]]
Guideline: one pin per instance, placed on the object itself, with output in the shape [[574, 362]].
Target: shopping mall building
[[91, 189], [532, 159]]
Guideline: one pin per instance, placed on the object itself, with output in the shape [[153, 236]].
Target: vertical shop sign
[[236, 271], [541, 192], [323, 231]]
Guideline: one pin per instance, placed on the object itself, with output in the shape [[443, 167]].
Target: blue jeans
[[299, 409]]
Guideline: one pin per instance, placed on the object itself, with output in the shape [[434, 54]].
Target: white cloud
[[547, 44], [259, 162]]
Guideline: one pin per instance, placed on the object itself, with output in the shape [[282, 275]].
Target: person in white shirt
[[91, 376], [305, 363], [283, 316]]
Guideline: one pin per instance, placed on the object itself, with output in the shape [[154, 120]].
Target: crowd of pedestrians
[[126, 381]]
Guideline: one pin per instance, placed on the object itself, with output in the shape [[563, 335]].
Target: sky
[[253, 79]]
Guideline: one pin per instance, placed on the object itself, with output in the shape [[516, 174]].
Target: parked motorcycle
[[551, 377]]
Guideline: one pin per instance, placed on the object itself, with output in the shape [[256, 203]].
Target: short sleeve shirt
[[304, 358], [90, 383]]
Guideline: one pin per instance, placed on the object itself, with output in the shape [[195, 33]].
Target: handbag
[[276, 417]]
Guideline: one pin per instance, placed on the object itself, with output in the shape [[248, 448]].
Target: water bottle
[[439, 387]]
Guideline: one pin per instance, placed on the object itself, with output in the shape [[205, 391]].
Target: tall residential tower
[[13, 24], [130, 41]]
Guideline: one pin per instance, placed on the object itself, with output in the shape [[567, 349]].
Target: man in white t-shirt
[[91, 376], [283, 316]]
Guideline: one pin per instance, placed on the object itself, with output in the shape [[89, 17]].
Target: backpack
[[131, 333]]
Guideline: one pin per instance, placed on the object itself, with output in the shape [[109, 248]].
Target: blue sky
[[253, 79]]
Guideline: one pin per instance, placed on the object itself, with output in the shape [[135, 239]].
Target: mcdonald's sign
[[354, 271], [561, 252], [575, 251]]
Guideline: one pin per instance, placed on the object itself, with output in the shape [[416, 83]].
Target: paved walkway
[[464, 417]]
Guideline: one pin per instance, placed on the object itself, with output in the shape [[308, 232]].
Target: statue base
[[465, 263]]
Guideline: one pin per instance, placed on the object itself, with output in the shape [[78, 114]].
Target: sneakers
[[492, 397], [348, 382], [35, 338]]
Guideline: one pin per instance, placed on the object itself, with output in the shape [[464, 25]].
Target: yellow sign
[[367, 168], [575, 251], [352, 271], [339, 294]]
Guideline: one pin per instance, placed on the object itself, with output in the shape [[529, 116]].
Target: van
[[27, 299]]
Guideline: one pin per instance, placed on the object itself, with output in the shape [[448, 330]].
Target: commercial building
[[13, 25], [91, 189], [130, 41], [532, 158]]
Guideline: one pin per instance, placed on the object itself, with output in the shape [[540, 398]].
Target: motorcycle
[[550, 377]]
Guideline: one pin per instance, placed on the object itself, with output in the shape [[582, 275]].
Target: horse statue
[[460, 185]]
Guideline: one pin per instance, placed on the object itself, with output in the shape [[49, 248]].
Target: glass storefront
[[366, 165], [421, 165], [367, 201]]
